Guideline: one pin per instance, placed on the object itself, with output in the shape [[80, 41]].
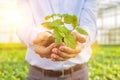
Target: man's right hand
[[43, 44], [44, 52], [44, 39]]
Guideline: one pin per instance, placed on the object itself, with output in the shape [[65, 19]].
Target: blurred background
[[105, 61]]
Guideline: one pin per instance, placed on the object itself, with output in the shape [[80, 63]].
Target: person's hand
[[44, 52], [43, 44], [44, 39], [78, 36], [43, 47], [63, 52]]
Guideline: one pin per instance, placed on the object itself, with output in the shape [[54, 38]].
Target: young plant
[[61, 33]]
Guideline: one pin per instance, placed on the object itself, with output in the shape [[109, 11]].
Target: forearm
[[28, 34]]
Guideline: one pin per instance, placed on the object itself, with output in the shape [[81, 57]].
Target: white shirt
[[34, 11]]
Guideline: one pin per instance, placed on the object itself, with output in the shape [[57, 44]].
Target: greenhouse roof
[[109, 5]]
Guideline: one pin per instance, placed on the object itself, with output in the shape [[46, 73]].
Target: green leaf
[[59, 15], [65, 30], [58, 37], [81, 31], [48, 17], [48, 25], [61, 33], [70, 41], [58, 40], [52, 25], [74, 21], [58, 21], [62, 30], [67, 18]]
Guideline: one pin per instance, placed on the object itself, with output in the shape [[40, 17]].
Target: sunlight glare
[[13, 17]]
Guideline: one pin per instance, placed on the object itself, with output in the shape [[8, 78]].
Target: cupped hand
[[44, 38], [63, 52], [43, 44], [44, 52]]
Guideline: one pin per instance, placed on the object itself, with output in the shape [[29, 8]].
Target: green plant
[[103, 66], [57, 23]]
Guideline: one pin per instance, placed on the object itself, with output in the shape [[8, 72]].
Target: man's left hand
[[63, 52]]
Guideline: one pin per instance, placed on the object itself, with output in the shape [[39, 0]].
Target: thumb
[[79, 38]]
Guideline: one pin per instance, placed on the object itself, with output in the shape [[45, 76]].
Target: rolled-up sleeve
[[87, 20]]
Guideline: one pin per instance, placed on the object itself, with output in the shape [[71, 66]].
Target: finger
[[55, 50], [40, 37], [51, 46], [39, 49], [66, 49], [70, 50], [62, 44], [42, 51], [58, 52], [65, 55], [62, 54], [79, 47], [55, 57], [79, 38], [43, 38]]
